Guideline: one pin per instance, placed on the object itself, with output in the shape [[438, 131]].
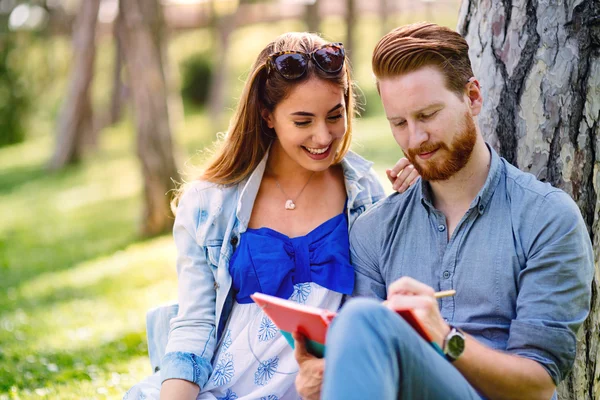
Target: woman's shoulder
[[206, 204], [359, 170]]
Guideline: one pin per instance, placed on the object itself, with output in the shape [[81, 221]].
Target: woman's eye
[[301, 123], [336, 117]]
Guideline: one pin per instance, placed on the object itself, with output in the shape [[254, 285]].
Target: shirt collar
[[485, 194], [354, 166], [247, 192]]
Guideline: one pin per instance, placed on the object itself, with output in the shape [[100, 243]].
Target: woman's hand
[[310, 376], [402, 176]]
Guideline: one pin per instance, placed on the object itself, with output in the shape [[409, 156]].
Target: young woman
[[270, 214]]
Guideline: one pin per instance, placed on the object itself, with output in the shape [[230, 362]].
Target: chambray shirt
[[210, 219], [520, 261]]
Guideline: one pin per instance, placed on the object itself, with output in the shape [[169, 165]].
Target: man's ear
[[266, 115], [474, 96]]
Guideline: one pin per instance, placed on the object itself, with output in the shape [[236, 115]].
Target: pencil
[[438, 295], [444, 293]]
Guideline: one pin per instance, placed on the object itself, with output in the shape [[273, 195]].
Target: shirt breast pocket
[[213, 253]]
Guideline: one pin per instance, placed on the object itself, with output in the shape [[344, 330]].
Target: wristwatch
[[454, 344]]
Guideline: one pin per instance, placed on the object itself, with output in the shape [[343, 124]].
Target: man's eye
[[427, 116], [400, 124]]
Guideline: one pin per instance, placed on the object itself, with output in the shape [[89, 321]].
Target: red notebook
[[312, 322]]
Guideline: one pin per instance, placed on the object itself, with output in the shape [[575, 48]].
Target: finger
[[403, 302], [412, 178], [400, 165], [389, 176], [402, 181], [300, 352], [407, 285]]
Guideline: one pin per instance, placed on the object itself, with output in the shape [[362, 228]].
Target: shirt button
[[441, 228], [234, 241], [446, 274], [481, 207], [216, 286]]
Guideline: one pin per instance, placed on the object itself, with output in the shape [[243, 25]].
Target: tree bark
[[142, 48], [539, 64], [119, 90], [75, 121], [222, 28], [350, 24], [312, 18]]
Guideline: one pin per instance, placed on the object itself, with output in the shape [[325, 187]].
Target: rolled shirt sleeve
[[192, 336], [364, 256], [554, 287]]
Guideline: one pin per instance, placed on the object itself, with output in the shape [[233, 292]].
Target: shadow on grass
[[56, 244], [46, 369]]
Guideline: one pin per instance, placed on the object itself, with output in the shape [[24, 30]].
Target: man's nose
[[417, 134]]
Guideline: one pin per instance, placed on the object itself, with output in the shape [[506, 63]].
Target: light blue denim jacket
[[210, 219]]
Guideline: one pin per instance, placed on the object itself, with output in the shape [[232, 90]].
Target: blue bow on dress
[[270, 262]]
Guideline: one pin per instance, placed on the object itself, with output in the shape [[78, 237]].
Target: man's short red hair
[[410, 47]]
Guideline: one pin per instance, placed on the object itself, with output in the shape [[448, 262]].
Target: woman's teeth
[[317, 151]]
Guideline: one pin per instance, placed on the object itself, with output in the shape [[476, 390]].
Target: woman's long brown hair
[[248, 136]]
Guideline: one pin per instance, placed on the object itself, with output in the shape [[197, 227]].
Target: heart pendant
[[289, 205]]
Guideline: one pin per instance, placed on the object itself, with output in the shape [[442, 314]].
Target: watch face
[[456, 345]]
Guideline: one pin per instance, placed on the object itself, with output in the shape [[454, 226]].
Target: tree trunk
[[312, 18], [350, 24], [75, 121], [142, 50], [539, 63], [119, 90], [384, 16], [222, 28]]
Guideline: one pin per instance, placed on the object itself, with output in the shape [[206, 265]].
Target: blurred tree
[[75, 128], [119, 90], [14, 94], [384, 16], [223, 23], [540, 66], [143, 49], [312, 17], [196, 79], [350, 22]]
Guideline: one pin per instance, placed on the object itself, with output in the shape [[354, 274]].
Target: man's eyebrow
[[307, 114], [434, 105]]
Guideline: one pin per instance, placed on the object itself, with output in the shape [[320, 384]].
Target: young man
[[516, 251]]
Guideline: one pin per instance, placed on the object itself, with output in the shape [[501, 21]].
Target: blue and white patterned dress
[[253, 360]]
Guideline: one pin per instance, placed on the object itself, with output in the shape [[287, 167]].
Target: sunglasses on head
[[294, 64]]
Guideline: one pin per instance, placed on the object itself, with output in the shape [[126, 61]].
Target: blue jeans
[[372, 353]]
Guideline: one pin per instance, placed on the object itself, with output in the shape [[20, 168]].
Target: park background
[[79, 263]]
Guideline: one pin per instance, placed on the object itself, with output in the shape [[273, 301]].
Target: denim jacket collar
[[354, 167]]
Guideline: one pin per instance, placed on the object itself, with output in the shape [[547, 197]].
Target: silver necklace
[[290, 204]]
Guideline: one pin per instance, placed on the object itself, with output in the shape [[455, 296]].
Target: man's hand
[[310, 375], [402, 176], [409, 293]]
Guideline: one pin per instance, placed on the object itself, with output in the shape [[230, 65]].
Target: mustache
[[426, 147]]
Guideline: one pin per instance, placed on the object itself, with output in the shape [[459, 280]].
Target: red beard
[[456, 157]]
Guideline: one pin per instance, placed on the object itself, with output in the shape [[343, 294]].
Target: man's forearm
[[499, 375]]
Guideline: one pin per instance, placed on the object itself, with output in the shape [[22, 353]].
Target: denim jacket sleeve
[[192, 337]]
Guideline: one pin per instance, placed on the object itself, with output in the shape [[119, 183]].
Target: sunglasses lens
[[329, 58], [291, 66]]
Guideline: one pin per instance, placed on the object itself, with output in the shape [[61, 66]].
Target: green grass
[[76, 279]]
